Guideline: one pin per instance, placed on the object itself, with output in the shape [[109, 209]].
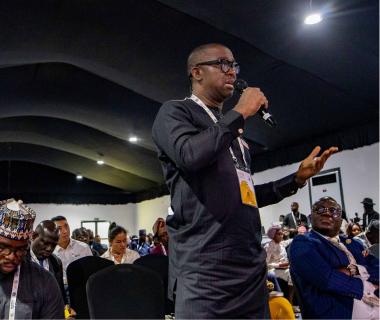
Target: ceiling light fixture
[[100, 162], [133, 139], [314, 17], [79, 177]]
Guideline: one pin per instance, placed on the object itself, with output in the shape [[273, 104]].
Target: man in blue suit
[[338, 279]]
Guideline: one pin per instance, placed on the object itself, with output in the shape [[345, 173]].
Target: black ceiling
[[79, 78]]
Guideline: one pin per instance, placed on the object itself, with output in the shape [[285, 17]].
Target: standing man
[[217, 265], [68, 249], [294, 220], [27, 291], [369, 214], [337, 277]]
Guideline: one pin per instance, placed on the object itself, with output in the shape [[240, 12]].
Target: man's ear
[[197, 73], [34, 236]]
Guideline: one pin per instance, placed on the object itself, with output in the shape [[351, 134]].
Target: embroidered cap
[[16, 220]]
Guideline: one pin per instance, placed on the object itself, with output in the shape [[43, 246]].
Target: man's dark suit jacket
[[55, 264], [329, 293], [373, 216]]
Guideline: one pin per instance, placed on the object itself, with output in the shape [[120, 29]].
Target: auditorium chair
[[78, 272], [160, 264], [126, 291]]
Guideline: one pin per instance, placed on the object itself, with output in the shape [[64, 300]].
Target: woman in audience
[[353, 229], [118, 251], [277, 258]]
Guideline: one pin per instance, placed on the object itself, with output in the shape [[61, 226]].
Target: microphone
[[240, 85]]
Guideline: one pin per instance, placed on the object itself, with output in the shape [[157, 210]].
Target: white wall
[[124, 215], [360, 179]]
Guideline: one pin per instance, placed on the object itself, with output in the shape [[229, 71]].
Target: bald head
[[44, 239]]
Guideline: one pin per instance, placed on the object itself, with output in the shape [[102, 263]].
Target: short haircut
[[58, 218], [373, 227], [198, 53], [282, 216], [115, 231]]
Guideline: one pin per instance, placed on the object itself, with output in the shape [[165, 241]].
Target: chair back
[[298, 293], [78, 272], [375, 250], [160, 264], [126, 291]]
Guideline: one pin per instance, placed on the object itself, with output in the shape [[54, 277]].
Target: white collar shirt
[[360, 309], [128, 257], [74, 251]]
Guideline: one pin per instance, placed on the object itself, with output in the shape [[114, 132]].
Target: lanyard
[[16, 281], [163, 249], [201, 103], [294, 219], [45, 262]]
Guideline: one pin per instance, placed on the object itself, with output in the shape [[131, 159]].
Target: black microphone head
[[240, 85]]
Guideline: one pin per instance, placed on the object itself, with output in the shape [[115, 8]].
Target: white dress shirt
[[74, 251], [128, 257]]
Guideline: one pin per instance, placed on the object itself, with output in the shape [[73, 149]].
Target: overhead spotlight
[[79, 177], [133, 139], [100, 162], [312, 19]]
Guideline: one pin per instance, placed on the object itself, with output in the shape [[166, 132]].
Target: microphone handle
[[266, 116]]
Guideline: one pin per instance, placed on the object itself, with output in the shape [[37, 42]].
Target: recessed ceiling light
[[100, 162], [312, 19], [133, 139], [79, 177]]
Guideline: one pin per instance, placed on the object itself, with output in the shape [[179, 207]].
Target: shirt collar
[[326, 237]]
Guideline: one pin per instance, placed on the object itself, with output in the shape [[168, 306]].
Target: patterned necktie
[[41, 262], [371, 301]]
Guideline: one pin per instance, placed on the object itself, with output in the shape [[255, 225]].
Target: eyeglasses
[[19, 253], [333, 211], [225, 65]]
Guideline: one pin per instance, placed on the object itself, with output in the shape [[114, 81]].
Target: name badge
[[247, 191]]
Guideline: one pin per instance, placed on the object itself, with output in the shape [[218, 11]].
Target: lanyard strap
[[294, 219], [201, 103], [16, 281], [45, 262]]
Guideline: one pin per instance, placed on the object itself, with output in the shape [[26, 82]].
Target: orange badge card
[[247, 190]]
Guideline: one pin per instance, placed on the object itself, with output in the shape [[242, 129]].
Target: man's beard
[[294, 210]]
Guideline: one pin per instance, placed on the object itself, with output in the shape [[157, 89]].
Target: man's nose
[[11, 257]]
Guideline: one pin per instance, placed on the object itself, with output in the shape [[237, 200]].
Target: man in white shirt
[[68, 249], [336, 276]]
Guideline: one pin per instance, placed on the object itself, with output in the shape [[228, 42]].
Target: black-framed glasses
[[225, 65], [334, 211], [19, 253]]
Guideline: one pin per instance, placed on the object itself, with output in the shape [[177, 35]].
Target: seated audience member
[[95, 245], [281, 219], [285, 233], [98, 240], [279, 307], [27, 291], [337, 278], [142, 247], [277, 258], [159, 229], [68, 249], [371, 236], [80, 234], [302, 230], [134, 242], [118, 251], [353, 229], [150, 240], [44, 239]]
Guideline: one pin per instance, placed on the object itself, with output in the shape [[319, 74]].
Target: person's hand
[[250, 102], [344, 270], [376, 287], [366, 252], [72, 313], [311, 166]]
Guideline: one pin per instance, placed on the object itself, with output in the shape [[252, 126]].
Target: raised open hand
[[312, 165]]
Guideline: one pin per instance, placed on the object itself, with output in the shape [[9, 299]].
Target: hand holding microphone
[[252, 101]]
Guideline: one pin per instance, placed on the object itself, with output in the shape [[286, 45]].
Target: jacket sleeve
[[307, 262], [274, 192], [190, 149], [371, 263]]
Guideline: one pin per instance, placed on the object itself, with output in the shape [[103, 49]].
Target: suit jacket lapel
[[339, 253]]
